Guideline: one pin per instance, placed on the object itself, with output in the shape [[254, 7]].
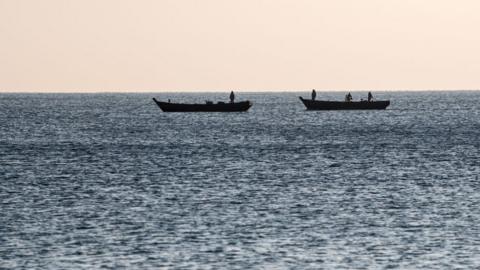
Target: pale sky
[[243, 45]]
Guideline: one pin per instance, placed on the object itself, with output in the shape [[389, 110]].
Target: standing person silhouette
[[370, 96], [349, 97], [232, 97], [314, 94]]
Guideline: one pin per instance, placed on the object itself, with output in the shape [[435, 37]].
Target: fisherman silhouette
[[348, 97], [370, 96], [232, 97], [314, 94]]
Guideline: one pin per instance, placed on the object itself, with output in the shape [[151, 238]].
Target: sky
[[247, 45]]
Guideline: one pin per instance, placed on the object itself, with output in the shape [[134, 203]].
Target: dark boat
[[345, 105], [207, 107]]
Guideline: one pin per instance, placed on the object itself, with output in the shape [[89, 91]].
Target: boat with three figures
[[348, 104]]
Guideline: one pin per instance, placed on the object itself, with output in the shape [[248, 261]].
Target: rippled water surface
[[109, 181]]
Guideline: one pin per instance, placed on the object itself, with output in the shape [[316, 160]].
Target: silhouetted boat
[[207, 107], [345, 105]]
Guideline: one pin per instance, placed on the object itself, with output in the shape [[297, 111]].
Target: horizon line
[[222, 91]]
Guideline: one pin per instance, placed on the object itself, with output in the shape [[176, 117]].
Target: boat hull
[[343, 105], [219, 107]]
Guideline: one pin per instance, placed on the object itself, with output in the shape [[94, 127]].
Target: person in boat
[[348, 97], [314, 94], [370, 96], [232, 97]]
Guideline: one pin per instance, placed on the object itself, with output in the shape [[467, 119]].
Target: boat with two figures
[[348, 104], [208, 106]]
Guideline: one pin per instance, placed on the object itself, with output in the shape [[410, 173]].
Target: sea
[[109, 181]]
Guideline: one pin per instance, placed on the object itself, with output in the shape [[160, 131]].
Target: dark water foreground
[[109, 181]]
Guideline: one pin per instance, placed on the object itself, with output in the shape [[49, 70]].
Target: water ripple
[[109, 181]]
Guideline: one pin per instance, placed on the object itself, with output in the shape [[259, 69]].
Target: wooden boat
[[345, 105], [207, 107]]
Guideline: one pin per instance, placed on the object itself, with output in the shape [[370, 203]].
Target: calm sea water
[[109, 181]]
